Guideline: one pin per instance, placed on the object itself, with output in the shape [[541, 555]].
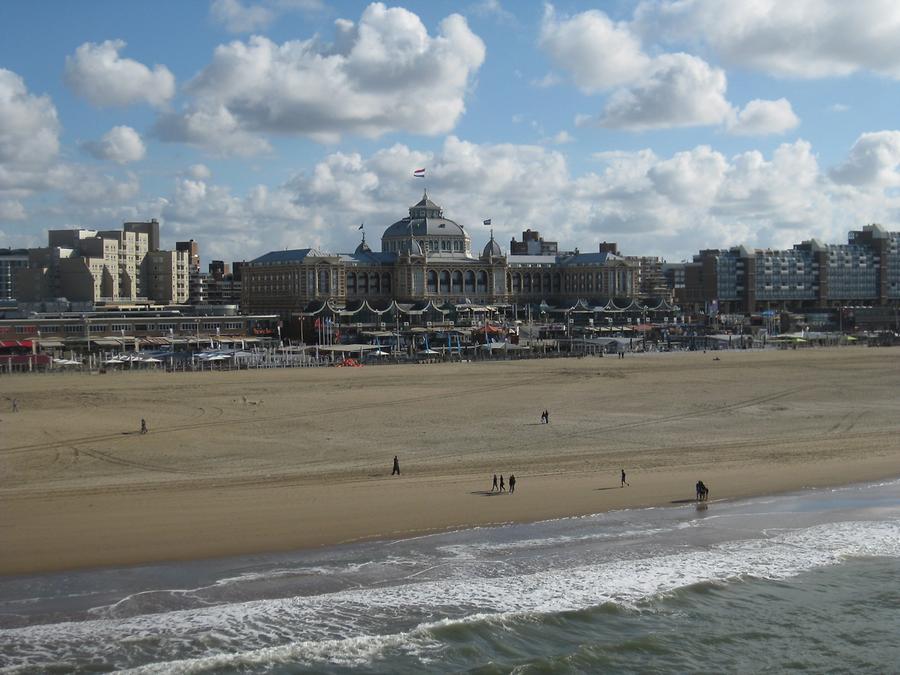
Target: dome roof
[[363, 248], [425, 219], [422, 227], [416, 247], [492, 248]]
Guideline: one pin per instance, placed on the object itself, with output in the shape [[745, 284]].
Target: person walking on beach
[[502, 484], [546, 417], [512, 483], [396, 470], [143, 426], [494, 486], [623, 479], [15, 405]]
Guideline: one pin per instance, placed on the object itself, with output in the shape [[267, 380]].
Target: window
[[71, 328]]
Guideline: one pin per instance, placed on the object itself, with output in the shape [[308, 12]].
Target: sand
[[254, 461]]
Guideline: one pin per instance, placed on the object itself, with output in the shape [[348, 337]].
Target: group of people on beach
[[501, 486], [545, 417]]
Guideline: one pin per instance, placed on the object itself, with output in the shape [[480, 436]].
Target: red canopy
[[15, 343]]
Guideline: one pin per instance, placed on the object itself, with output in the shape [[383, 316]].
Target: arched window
[[386, 282], [470, 281], [445, 281], [457, 282], [527, 283], [363, 283], [324, 281], [351, 283], [431, 284], [375, 282], [517, 282], [482, 281]]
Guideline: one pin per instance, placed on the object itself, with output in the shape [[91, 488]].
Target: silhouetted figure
[[494, 486], [512, 483], [396, 471], [546, 417], [502, 484], [702, 492], [143, 426], [15, 405], [623, 479]]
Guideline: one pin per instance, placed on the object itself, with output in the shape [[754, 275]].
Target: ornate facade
[[426, 257]]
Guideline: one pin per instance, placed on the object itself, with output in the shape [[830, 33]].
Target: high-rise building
[[11, 261], [109, 265], [532, 244]]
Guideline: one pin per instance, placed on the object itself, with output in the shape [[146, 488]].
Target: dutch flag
[[419, 173]]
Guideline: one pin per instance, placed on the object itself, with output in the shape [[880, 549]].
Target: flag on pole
[[419, 173], [486, 222], [361, 226]]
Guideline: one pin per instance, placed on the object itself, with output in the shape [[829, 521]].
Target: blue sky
[[257, 125]]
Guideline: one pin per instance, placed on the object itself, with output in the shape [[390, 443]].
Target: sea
[[802, 582]]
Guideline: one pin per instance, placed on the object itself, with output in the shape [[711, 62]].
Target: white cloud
[[10, 209], [199, 172], [120, 144], [97, 73], [681, 90], [597, 52], [649, 92], [363, 84], [872, 162], [214, 129], [759, 118], [96, 189], [800, 38], [493, 8], [671, 206], [239, 18], [839, 107], [29, 136]]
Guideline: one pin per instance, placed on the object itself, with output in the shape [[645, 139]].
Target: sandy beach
[[254, 461]]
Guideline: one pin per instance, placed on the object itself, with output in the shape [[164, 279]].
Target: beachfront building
[[107, 265], [427, 261], [11, 261], [424, 257], [863, 272]]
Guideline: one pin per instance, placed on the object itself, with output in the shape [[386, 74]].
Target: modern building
[[811, 275], [532, 244], [107, 265], [11, 261]]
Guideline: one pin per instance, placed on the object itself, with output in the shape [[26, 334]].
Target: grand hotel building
[[426, 258]]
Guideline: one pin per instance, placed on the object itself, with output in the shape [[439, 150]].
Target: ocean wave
[[360, 623]]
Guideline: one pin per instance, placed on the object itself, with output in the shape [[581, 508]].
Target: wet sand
[[305, 460]]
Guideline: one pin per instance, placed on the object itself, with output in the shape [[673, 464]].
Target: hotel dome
[[435, 235]]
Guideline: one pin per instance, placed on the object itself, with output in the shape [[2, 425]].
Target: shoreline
[[171, 543], [309, 467]]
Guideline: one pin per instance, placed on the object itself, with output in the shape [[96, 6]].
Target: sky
[[666, 126]]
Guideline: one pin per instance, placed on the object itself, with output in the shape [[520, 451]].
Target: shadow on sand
[[611, 487], [486, 493], [682, 501]]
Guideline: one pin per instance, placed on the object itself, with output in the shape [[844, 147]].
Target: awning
[[15, 343], [51, 343]]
